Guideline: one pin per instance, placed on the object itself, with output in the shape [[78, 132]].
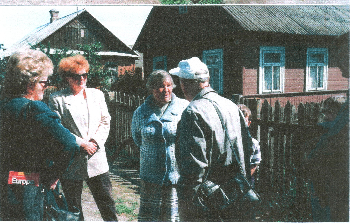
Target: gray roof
[[293, 19], [42, 32]]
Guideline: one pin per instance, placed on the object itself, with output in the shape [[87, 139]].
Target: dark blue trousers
[[22, 203]]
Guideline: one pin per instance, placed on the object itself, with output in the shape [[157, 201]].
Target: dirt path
[[125, 183]]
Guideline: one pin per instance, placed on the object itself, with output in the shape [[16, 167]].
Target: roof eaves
[[42, 32]]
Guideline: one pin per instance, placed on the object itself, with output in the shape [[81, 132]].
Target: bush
[[168, 2], [131, 82]]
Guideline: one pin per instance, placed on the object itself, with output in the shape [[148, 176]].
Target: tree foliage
[[168, 2], [3, 63], [131, 82]]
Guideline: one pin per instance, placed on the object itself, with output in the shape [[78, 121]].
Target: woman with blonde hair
[[35, 148]]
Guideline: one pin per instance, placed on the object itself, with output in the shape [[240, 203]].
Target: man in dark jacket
[[204, 150]]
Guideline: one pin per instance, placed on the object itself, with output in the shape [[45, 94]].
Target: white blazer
[[84, 166]]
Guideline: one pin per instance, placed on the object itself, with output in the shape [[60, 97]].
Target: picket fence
[[121, 107], [286, 136]]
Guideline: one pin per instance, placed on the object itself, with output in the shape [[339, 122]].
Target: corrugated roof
[[293, 19]]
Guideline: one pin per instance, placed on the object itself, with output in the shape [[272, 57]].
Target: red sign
[[23, 178]]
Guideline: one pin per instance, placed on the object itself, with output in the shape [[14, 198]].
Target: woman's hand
[[53, 184], [90, 147]]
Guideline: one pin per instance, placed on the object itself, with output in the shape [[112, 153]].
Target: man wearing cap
[[202, 141]]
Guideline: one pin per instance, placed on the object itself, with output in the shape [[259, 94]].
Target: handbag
[[237, 191], [56, 207]]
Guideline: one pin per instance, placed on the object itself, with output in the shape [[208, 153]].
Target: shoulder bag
[[56, 208], [213, 197]]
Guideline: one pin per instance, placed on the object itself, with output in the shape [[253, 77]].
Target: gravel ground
[[125, 183]]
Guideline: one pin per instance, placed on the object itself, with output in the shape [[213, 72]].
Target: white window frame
[[160, 59], [263, 64], [308, 83], [219, 66]]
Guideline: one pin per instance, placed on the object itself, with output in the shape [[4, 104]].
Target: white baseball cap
[[191, 68]]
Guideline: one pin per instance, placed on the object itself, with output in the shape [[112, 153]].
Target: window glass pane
[[214, 78], [159, 65], [320, 77], [316, 58], [272, 57], [267, 77], [313, 77], [212, 59], [276, 78]]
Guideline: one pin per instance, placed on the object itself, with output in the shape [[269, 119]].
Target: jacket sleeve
[[135, 128], [55, 106], [60, 143], [102, 132]]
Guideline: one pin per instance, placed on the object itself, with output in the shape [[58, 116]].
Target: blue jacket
[[156, 139], [33, 139]]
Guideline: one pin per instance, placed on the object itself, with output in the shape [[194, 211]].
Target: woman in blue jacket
[[154, 127], [35, 148]]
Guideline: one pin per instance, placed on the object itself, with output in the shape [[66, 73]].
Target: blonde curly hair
[[25, 67]]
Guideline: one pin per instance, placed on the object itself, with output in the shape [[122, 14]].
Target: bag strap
[[224, 127]]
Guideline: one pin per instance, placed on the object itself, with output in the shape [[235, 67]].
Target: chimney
[[54, 15]]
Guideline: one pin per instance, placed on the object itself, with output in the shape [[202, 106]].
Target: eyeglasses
[[77, 77], [46, 83]]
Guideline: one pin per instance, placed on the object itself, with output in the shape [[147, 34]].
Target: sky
[[125, 22]]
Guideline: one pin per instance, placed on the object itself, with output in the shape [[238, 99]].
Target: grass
[[127, 208]]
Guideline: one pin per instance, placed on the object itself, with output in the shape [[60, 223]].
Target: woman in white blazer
[[84, 112]]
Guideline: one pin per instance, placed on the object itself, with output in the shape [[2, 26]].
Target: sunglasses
[[77, 77], [46, 83]]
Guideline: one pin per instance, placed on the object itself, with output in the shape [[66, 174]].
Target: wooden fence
[[286, 136], [121, 107]]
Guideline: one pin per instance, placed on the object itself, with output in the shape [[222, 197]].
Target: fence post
[[265, 165], [236, 98], [288, 116]]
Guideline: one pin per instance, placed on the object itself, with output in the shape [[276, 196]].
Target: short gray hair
[[156, 78]]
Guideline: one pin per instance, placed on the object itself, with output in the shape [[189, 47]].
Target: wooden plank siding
[[70, 36], [180, 36]]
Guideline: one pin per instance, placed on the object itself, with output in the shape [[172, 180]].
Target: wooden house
[[260, 51], [80, 28]]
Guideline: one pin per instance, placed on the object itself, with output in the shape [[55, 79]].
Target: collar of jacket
[[169, 113], [203, 92]]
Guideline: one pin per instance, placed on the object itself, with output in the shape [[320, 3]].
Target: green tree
[[3, 63], [191, 1], [131, 82]]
